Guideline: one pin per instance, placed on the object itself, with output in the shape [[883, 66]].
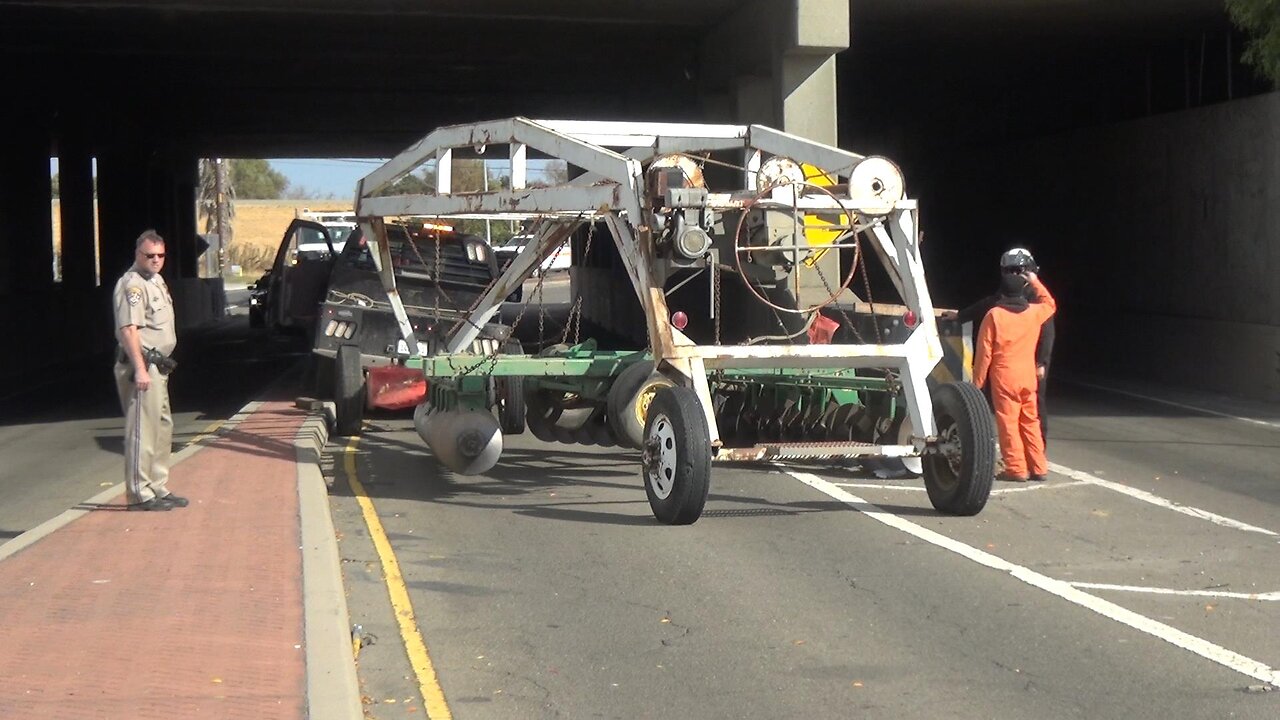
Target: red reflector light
[[679, 319], [909, 319]]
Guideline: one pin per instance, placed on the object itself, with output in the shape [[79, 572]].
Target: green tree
[[411, 185], [468, 175], [257, 179], [1261, 20]]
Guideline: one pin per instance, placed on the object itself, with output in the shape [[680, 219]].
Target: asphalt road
[[1139, 582]]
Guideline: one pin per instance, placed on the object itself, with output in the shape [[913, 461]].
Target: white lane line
[[1158, 501], [1037, 486], [1203, 648], [917, 488], [1162, 401], [873, 486], [1268, 597]]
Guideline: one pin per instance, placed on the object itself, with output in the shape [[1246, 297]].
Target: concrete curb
[[333, 688]]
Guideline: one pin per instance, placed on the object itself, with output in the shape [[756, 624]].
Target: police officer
[[145, 332]]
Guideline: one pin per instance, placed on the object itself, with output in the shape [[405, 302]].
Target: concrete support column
[[776, 58], [26, 229], [123, 208], [75, 178], [805, 70], [808, 87], [184, 173]]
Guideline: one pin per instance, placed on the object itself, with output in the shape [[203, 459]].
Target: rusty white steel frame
[[612, 190]]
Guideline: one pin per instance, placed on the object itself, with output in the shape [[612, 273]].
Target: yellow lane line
[[419, 658], [205, 434]]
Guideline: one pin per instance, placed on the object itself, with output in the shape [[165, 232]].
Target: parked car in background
[[340, 225], [516, 243]]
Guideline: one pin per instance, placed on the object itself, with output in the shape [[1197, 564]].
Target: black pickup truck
[[440, 274]]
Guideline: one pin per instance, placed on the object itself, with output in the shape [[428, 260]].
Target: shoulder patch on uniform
[[133, 295]]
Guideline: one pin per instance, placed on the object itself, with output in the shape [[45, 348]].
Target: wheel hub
[[949, 447], [660, 456]]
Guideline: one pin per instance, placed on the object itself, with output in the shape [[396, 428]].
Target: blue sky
[[334, 177], [325, 176]]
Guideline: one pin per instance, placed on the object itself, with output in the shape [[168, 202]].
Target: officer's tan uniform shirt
[[144, 301]]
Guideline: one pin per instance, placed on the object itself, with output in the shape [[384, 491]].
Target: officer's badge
[[133, 295]]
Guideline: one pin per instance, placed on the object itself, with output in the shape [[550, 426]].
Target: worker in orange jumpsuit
[[1006, 358]]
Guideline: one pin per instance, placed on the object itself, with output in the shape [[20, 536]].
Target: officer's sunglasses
[[153, 256]]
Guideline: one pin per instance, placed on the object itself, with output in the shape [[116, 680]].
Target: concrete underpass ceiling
[[363, 77]]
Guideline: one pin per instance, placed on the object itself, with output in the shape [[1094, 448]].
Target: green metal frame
[[462, 381]]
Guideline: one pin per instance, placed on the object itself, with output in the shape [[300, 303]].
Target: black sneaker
[[154, 504], [174, 501], [1039, 478]]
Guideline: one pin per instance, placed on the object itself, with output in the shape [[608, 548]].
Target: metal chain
[[718, 279], [435, 274], [871, 303], [542, 311], [491, 359], [577, 316], [857, 250]]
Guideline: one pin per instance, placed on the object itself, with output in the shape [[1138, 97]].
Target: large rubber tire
[[628, 401], [321, 372], [959, 478], [511, 408], [677, 456], [348, 391], [511, 404]]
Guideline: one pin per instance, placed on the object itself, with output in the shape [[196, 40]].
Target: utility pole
[[220, 204], [488, 227]]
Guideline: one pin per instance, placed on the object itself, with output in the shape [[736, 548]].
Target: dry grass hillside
[[259, 226]]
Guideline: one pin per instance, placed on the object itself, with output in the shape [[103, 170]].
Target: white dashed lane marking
[[1158, 501], [1265, 597], [1203, 648]]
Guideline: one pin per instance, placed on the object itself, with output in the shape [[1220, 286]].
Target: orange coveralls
[[1006, 356]]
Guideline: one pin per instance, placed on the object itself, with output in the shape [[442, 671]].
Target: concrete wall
[[1161, 238]]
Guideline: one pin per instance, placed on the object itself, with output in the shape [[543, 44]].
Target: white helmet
[[1018, 258]]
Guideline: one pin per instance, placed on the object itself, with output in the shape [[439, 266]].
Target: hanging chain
[[435, 274], [574, 321], [491, 359], [718, 280], [857, 253], [871, 303]]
